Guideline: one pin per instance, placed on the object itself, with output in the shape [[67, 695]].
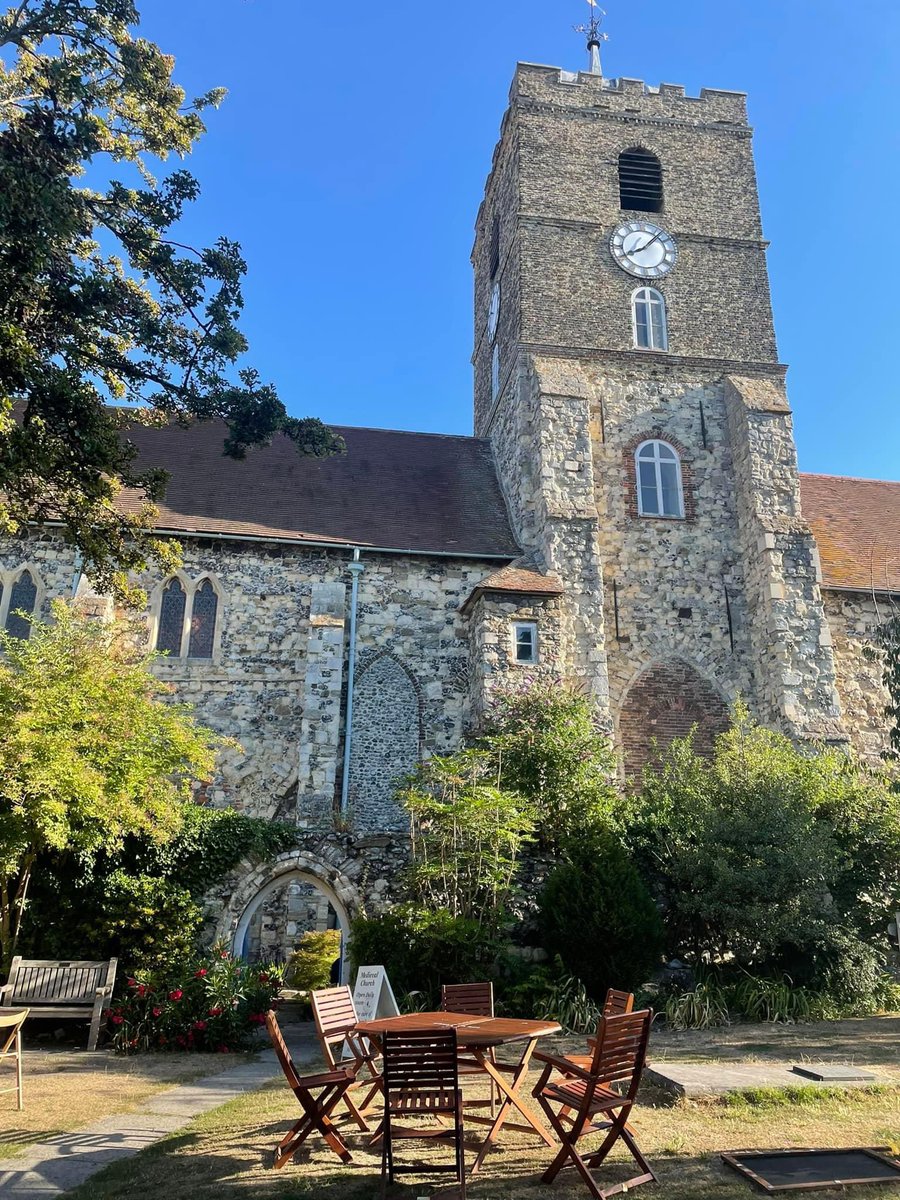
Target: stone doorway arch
[[295, 892]]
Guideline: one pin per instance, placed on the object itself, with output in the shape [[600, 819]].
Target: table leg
[[510, 1092]]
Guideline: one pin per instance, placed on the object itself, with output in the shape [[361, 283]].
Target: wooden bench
[[56, 988]]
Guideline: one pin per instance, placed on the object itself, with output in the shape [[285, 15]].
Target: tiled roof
[[857, 526], [397, 491], [520, 577]]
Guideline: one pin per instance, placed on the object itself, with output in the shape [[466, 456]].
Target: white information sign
[[373, 995]]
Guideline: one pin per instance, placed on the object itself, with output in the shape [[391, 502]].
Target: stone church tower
[[627, 375]]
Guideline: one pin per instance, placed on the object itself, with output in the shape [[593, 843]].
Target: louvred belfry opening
[[640, 181]]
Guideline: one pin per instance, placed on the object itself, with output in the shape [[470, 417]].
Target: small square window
[[525, 642]]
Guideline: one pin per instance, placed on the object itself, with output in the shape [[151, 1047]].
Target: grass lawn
[[65, 1090], [227, 1153]]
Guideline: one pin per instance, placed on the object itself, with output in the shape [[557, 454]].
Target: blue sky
[[350, 156]]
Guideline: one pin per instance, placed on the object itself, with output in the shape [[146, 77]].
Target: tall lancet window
[[203, 621], [648, 311], [658, 480], [170, 630]]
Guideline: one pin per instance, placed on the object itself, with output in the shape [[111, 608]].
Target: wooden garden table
[[478, 1035]]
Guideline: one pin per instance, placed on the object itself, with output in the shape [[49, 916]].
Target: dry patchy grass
[[65, 1090], [228, 1153]]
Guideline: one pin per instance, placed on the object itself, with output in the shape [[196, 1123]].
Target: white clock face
[[494, 311], [643, 249]]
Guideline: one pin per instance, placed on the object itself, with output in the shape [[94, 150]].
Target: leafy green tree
[[101, 303], [549, 749], [467, 834], [90, 751], [888, 643]]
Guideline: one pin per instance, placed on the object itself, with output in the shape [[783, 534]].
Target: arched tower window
[[22, 596], [648, 314], [203, 621], [170, 631], [640, 180], [659, 488], [495, 372]]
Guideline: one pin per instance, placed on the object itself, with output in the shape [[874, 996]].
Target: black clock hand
[[646, 245]]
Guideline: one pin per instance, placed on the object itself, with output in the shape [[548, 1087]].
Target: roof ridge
[[848, 478]]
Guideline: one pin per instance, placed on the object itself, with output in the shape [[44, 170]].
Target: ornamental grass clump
[[216, 1003]]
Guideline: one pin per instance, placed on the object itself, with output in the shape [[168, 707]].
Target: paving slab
[[55, 1166], [717, 1079]]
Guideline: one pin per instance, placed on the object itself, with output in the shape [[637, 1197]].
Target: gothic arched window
[[659, 489], [203, 621], [186, 624], [22, 596], [495, 372], [648, 312], [640, 180], [170, 630]]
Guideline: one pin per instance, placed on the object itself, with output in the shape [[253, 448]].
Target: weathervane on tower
[[594, 36]]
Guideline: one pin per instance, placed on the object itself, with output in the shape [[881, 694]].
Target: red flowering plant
[[214, 1003]]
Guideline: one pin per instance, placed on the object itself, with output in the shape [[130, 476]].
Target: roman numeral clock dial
[[643, 249]]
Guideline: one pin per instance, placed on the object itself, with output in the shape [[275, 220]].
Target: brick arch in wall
[[666, 701], [387, 739]]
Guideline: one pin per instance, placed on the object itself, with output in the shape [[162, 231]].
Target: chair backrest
[[617, 1002], [621, 1049], [334, 1014], [281, 1050], [52, 981], [422, 1060], [10, 1024], [474, 999]]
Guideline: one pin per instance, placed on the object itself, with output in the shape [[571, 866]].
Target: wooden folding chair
[[335, 1016], [614, 1005], [585, 1101], [421, 1078], [477, 1000], [332, 1088], [11, 1022]]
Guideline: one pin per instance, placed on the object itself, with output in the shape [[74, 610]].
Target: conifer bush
[[599, 917]]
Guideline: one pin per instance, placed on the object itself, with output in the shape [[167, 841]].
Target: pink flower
[[157, 1011], [176, 995], [117, 1020], [258, 1018], [263, 977], [215, 1012], [224, 954], [200, 1025], [142, 990], [132, 983], [199, 974]]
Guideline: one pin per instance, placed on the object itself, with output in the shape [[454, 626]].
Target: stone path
[[717, 1078], [50, 1168]]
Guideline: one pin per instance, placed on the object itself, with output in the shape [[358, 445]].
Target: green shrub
[[310, 964], [213, 1002], [598, 916], [466, 836], [704, 1007], [545, 740], [421, 950], [780, 860]]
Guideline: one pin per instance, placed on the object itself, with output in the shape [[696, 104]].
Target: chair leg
[[96, 1016], [354, 1112], [20, 1095]]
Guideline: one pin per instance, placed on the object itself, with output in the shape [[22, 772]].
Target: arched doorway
[[665, 702], [292, 903]]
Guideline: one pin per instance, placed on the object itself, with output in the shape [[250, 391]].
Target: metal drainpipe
[[356, 569]]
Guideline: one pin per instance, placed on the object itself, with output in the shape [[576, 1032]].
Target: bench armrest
[[6, 993]]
